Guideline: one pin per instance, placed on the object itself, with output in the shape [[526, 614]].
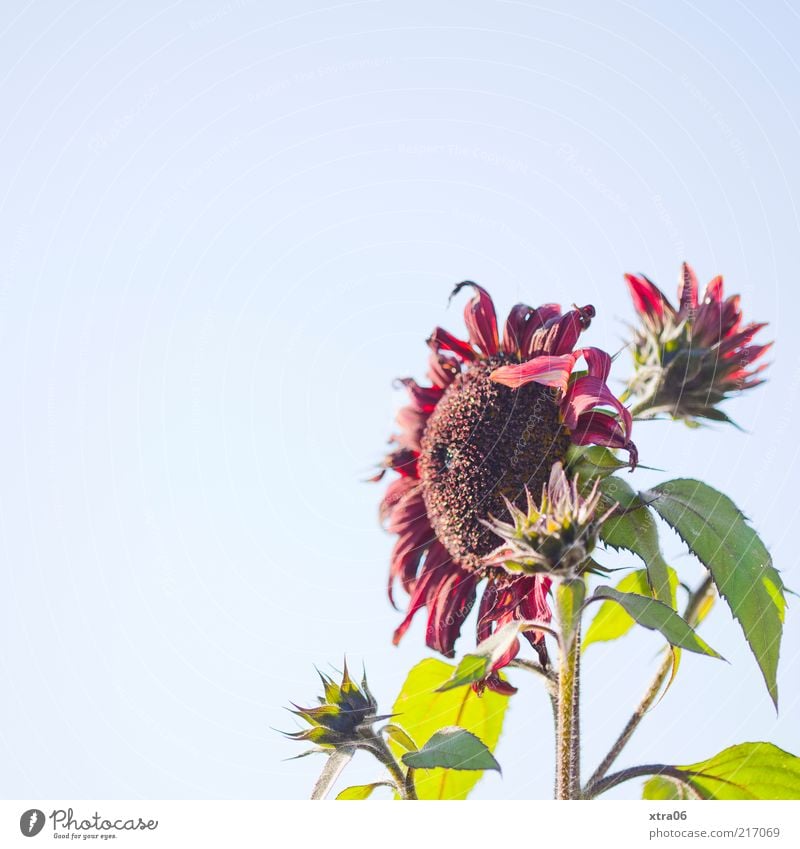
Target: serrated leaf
[[359, 792], [658, 616], [452, 748], [611, 621], [422, 712], [661, 787], [635, 530], [746, 771], [718, 535], [401, 737]]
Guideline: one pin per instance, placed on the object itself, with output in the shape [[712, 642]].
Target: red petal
[[589, 392], [598, 362], [441, 339], [395, 492], [687, 291], [737, 340], [533, 604], [496, 684], [543, 316], [559, 336], [714, 290], [403, 461], [480, 318], [547, 371], [516, 327], [740, 378], [731, 316], [436, 569], [751, 353], [418, 600], [442, 369], [424, 398], [451, 605], [407, 510], [412, 425], [648, 300], [599, 428]]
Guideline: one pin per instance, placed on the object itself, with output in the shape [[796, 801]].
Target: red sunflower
[[498, 414], [691, 358]]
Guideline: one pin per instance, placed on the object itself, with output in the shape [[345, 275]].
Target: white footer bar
[[393, 825]]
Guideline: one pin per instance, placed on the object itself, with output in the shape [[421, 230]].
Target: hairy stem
[[336, 762], [532, 666], [404, 781], [568, 731], [550, 678], [637, 772], [690, 615]]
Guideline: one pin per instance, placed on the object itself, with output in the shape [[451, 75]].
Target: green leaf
[[635, 529], [398, 735], [611, 621], [746, 771], [477, 665], [423, 712], [662, 787], [658, 616], [452, 748], [472, 667], [718, 535], [359, 792], [592, 461]]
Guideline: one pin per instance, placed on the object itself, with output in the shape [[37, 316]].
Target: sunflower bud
[[556, 537], [687, 360], [344, 717]]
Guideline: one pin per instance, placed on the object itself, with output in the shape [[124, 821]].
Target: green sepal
[[359, 792], [401, 737]]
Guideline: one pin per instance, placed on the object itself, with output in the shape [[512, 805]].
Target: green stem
[[410, 787], [638, 772], [568, 731], [690, 615], [536, 668], [404, 781], [550, 679]]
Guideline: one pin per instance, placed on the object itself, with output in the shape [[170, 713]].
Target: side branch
[[690, 615], [597, 788]]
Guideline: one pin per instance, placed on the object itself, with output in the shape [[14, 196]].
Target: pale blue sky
[[226, 228]]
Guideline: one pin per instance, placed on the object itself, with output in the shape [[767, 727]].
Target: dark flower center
[[482, 442]]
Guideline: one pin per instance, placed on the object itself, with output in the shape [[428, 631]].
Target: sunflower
[[690, 358], [498, 414]]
